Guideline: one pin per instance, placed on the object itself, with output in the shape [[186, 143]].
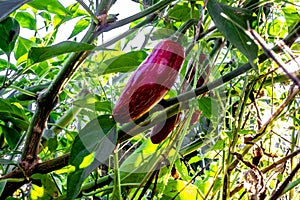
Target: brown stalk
[[280, 190]]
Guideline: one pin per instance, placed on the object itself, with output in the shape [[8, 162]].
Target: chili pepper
[[161, 130], [150, 82]]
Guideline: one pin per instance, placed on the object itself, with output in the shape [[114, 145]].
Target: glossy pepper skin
[[150, 82], [161, 130]]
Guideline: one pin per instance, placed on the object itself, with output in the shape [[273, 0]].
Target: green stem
[[104, 6], [149, 19], [263, 130], [110, 188], [24, 92], [95, 19], [180, 32], [156, 7], [65, 119], [116, 194], [132, 128], [237, 125], [107, 179], [285, 183]]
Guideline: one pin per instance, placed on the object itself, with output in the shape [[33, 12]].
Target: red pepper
[[161, 130], [150, 82], [200, 82]]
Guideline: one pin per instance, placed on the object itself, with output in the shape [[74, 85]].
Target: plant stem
[[279, 191], [156, 7], [149, 19], [179, 33], [116, 193], [266, 125], [132, 128], [104, 6], [95, 19], [285, 159], [24, 92], [289, 40]]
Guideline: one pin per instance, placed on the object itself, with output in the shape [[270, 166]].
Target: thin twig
[[283, 160], [270, 167], [196, 175], [279, 191], [270, 53], [280, 136], [264, 127], [156, 7], [95, 19]]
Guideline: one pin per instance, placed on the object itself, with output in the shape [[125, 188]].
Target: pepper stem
[[180, 32]]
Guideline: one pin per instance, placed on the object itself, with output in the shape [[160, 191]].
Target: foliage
[[238, 135]]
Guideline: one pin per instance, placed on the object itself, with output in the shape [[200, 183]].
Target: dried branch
[[279, 162], [280, 190], [266, 125], [270, 53], [266, 169]]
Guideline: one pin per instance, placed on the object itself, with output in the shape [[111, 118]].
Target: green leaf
[[123, 63], [60, 19], [9, 32], [183, 12], [80, 26], [162, 33], [230, 30], [9, 6], [46, 16], [194, 159], [39, 54], [8, 108], [245, 132], [18, 123], [26, 20], [291, 15], [207, 105], [277, 28], [11, 136], [93, 103], [2, 186], [76, 10], [46, 191], [97, 139], [140, 162], [218, 184], [182, 170], [3, 65], [187, 190], [52, 144], [291, 185], [23, 46], [220, 144], [53, 6]]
